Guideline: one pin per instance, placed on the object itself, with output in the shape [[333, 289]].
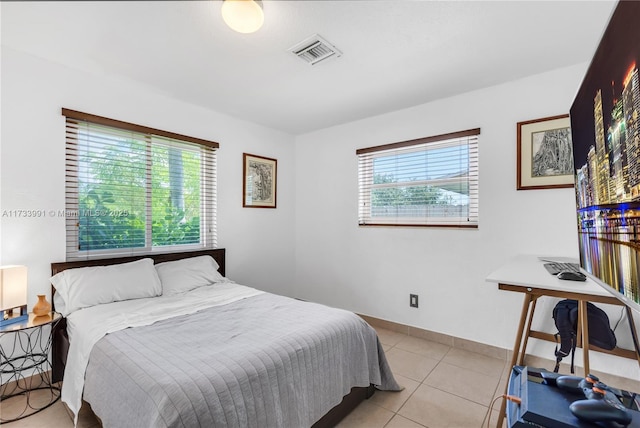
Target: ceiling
[[396, 54]]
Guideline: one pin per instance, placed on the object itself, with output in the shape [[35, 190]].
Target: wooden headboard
[[216, 253], [60, 337]]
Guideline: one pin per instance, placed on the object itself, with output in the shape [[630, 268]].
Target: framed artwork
[[259, 181], [545, 153]]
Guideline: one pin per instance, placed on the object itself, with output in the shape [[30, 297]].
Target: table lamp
[[13, 294]]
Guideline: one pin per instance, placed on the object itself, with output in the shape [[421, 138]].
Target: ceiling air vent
[[315, 49]]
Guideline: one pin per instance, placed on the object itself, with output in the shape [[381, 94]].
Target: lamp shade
[[243, 16], [13, 287]]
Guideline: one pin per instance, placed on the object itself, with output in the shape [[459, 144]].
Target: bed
[[202, 350]]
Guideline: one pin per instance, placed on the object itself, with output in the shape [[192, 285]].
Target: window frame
[[208, 190], [366, 176]]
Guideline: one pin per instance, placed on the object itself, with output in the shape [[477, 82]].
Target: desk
[[526, 274]]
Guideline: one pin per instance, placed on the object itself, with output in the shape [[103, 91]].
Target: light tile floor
[[443, 387]]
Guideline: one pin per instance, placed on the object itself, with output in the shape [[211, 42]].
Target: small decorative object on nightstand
[[25, 367], [42, 307], [13, 294]]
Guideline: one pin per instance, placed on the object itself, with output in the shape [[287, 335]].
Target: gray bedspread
[[265, 361]]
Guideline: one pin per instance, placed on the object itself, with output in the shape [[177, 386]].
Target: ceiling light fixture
[[243, 16]]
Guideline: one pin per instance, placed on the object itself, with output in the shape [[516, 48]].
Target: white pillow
[[59, 304], [186, 274], [83, 287]]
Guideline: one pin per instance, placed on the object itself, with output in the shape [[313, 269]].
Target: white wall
[[259, 242], [373, 270], [314, 228]]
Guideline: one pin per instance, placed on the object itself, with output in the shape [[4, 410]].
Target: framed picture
[[545, 153], [259, 181]]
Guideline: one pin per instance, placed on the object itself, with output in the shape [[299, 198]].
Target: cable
[[513, 398], [622, 314], [634, 338]]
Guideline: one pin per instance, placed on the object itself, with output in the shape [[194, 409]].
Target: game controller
[[567, 383], [601, 405]]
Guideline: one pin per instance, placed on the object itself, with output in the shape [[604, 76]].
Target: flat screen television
[[605, 129]]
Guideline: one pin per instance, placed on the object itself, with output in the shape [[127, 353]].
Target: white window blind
[[430, 181], [132, 189]]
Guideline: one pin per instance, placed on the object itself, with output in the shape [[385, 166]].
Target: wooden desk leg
[[528, 298], [584, 333], [527, 332], [634, 332]]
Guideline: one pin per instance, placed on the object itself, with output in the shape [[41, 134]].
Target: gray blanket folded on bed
[[265, 361]]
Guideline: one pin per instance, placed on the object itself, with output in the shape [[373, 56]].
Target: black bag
[[565, 315]]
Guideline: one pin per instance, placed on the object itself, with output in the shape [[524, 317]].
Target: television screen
[[605, 131]]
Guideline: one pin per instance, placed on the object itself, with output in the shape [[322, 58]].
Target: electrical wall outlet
[[413, 300]]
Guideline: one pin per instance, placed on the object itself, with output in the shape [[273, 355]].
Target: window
[[430, 181], [133, 189]]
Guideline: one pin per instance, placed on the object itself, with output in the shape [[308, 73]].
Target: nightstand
[[25, 367]]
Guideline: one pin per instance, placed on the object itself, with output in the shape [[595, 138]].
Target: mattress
[[259, 360]]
